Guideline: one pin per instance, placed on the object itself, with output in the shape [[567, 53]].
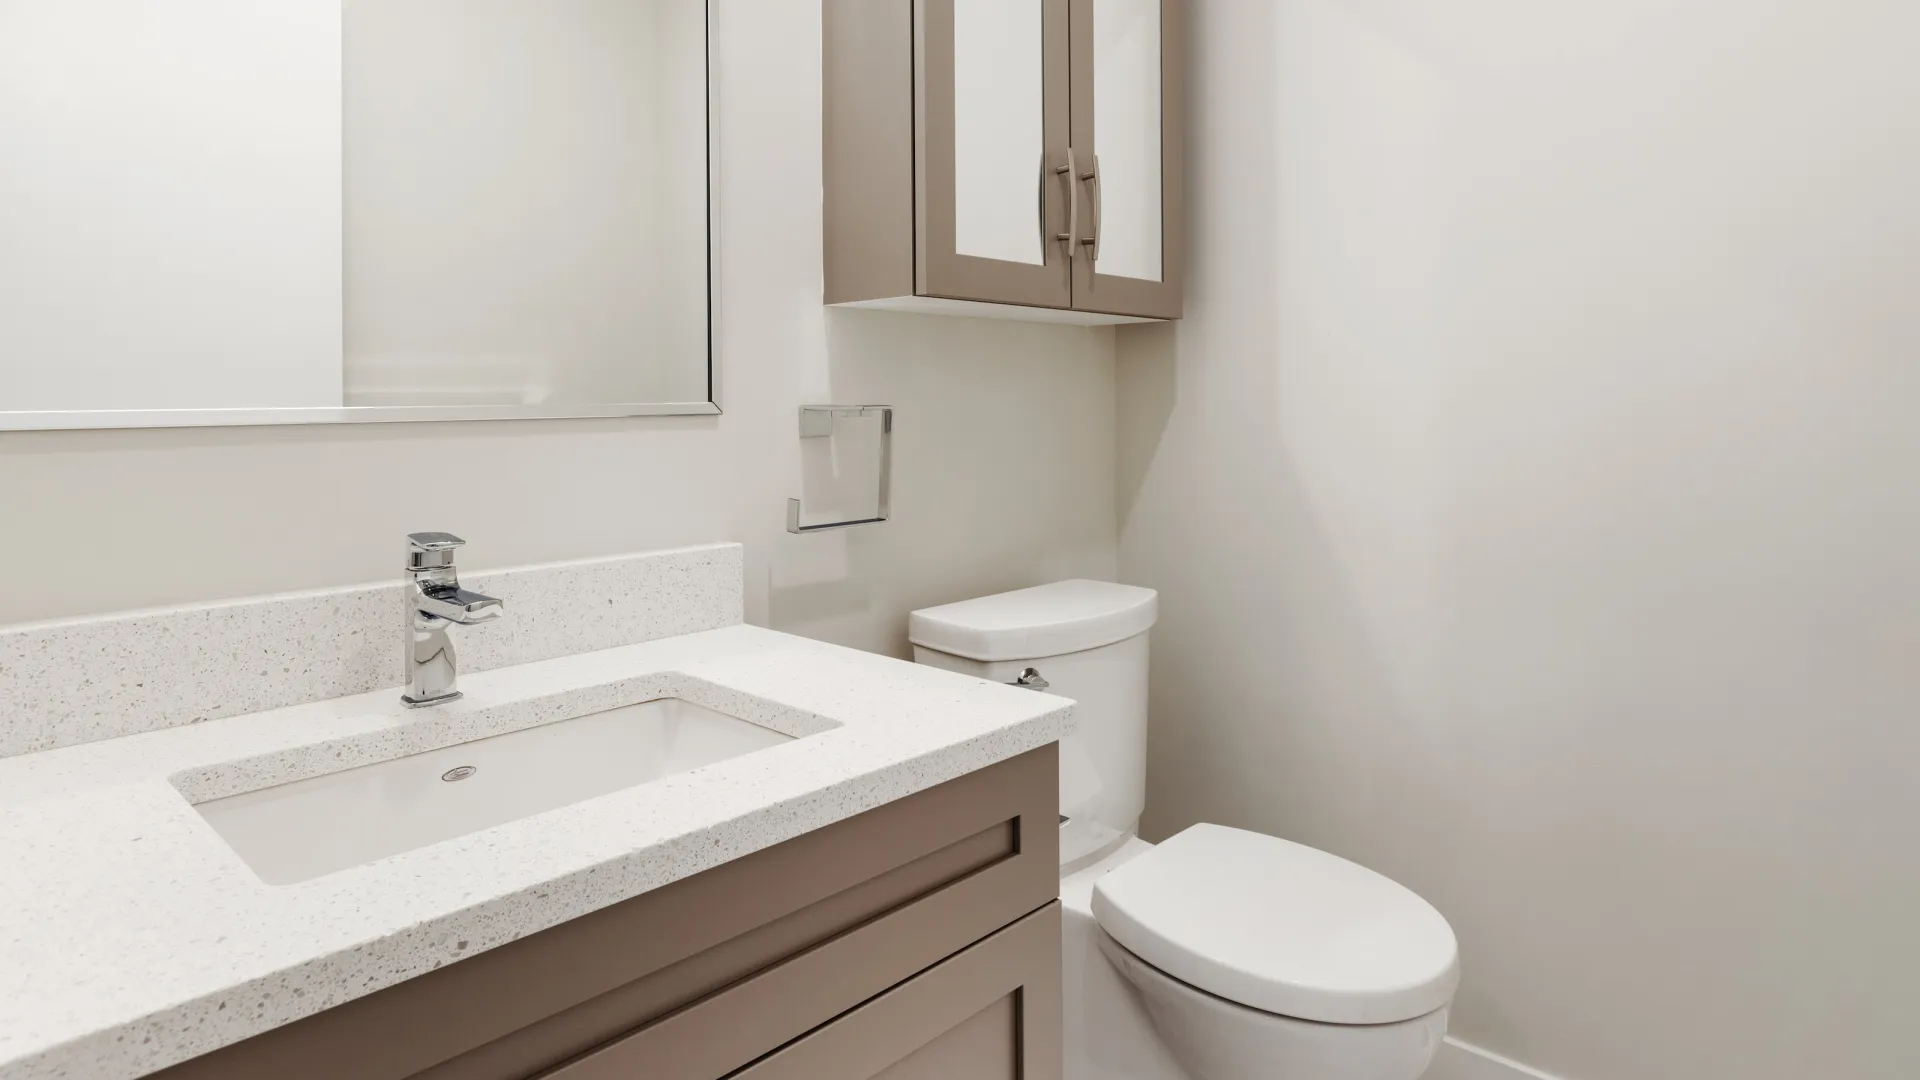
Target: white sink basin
[[298, 831]]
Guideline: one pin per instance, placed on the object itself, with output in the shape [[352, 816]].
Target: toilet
[[1218, 954]]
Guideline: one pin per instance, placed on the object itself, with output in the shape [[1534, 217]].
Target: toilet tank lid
[[1028, 624]]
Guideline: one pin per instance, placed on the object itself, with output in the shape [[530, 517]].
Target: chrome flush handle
[[1031, 679]]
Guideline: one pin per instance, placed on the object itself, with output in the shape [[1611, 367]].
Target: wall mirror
[[322, 211]]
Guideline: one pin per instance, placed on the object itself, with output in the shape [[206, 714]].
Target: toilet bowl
[[1255, 957], [1214, 1039], [1220, 954]]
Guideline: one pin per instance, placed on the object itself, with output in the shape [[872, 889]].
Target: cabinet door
[[991, 185], [991, 1012], [1127, 147]]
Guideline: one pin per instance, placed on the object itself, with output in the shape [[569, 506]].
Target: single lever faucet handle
[[431, 550]]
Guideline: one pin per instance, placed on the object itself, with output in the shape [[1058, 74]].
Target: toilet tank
[[1088, 640]]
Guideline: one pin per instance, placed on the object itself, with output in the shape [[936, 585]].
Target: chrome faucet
[[436, 601]]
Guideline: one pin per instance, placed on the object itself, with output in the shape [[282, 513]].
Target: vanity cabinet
[[1013, 158], [917, 941]]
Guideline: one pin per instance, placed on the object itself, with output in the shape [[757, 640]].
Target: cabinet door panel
[[992, 1011], [1126, 134], [999, 129], [985, 1047], [991, 125], [1127, 139]]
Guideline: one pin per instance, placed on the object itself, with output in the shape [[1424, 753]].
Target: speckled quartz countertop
[[132, 937]]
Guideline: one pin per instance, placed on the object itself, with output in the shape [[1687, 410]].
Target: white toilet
[[1220, 954]]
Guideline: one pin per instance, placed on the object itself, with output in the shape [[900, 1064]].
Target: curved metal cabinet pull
[[816, 422], [1092, 179], [1066, 239]]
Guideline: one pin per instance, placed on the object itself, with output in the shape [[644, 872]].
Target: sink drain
[[460, 773]]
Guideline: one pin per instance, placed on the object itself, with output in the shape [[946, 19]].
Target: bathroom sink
[[305, 829]]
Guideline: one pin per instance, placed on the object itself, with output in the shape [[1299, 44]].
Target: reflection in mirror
[[322, 208]]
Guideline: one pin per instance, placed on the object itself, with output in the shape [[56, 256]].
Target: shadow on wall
[[1002, 472], [1266, 461], [1145, 365], [1264, 469]]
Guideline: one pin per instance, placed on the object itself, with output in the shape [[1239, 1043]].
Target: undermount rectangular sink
[[303, 830]]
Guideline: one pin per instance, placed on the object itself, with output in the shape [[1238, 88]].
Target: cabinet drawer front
[[862, 904], [992, 1010]]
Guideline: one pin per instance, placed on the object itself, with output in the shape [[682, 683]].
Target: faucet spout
[[435, 602]]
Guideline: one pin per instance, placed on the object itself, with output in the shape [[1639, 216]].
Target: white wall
[[1533, 492], [989, 414], [169, 204]]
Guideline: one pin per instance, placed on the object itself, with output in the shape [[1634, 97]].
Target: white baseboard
[[1465, 1061]]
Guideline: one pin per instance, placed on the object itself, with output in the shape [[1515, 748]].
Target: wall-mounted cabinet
[[1010, 158]]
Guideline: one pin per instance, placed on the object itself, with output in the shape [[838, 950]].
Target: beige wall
[[988, 414], [1535, 496]]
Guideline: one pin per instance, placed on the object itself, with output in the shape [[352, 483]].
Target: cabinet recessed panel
[[999, 129], [1127, 123], [985, 1046], [1127, 139]]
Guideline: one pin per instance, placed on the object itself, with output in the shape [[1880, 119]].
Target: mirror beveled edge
[[99, 419]]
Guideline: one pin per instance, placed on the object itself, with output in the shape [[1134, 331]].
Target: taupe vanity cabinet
[[1017, 158], [917, 941]]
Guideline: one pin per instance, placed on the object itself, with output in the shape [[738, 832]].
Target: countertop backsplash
[[100, 677]]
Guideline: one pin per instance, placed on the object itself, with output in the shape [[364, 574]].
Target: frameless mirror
[[235, 212]]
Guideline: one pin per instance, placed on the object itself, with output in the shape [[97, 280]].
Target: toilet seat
[[1281, 927]]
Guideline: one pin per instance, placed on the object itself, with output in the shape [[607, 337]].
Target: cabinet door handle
[[1073, 205], [1092, 180]]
